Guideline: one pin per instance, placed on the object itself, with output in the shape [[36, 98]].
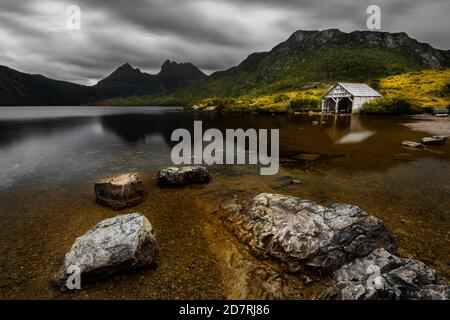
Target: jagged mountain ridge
[[18, 88]]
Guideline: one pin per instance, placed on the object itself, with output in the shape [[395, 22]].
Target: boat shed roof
[[357, 89]]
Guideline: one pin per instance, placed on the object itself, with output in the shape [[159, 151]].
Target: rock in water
[[303, 235], [412, 144], [120, 192], [115, 244], [434, 141], [174, 176], [382, 275]]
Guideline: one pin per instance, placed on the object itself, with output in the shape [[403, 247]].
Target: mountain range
[[304, 58], [17, 88]]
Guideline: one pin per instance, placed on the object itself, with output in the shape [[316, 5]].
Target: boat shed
[[348, 97]]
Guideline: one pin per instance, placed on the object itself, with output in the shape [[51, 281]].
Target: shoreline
[[430, 124]]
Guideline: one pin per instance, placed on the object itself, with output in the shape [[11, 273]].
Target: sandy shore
[[430, 124]]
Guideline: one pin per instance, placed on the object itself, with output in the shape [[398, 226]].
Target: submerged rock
[[115, 244], [174, 176], [382, 275], [412, 144], [285, 181], [434, 141], [303, 235], [302, 160], [120, 192]]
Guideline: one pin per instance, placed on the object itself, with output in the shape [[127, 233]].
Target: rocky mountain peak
[[174, 70], [126, 68]]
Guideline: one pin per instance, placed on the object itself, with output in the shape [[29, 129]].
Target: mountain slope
[[17, 88], [323, 56]]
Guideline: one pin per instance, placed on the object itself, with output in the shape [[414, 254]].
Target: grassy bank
[[421, 90]]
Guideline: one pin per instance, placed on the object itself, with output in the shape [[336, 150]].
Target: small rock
[[308, 156], [284, 181], [120, 192], [174, 176], [382, 275], [303, 235], [412, 144], [120, 243], [434, 141]]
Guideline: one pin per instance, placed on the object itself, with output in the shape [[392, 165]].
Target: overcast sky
[[212, 34]]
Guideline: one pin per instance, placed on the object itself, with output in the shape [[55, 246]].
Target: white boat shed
[[348, 97]]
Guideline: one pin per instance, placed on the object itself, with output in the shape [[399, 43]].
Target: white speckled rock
[[398, 278], [434, 141], [303, 235], [115, 244], [412, 144], [174, 176], [120, 192]]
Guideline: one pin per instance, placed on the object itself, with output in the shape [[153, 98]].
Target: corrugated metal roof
[[360, 90]]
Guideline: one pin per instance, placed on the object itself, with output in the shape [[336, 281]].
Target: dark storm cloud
[[184, 18], [213, 34]]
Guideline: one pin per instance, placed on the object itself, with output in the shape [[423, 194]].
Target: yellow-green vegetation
[[406, 93], [422, 89], [274, 103]]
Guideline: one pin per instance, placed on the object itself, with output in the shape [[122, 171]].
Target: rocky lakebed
[[358, 210], [348, 251]]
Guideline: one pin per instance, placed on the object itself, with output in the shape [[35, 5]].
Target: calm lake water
[[50, 158]]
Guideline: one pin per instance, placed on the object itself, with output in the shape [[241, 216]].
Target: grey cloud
[[213, 34]]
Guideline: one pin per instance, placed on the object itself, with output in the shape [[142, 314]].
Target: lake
[[50, 158]]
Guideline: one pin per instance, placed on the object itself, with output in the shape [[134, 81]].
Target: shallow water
[[50, 158]]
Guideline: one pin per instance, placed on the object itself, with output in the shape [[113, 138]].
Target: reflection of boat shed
[[348, 97]]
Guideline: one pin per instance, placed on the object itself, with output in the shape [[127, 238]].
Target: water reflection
[[54, 145], [49, 159]]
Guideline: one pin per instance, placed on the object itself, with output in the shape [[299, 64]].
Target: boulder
[[303, 235], [175, 177], [120, 192], [434, 141], [412, 144], [120, 243], [382, 275]]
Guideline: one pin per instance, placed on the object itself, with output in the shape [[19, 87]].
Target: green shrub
[[280, 98], [305, 104], [388, 106]]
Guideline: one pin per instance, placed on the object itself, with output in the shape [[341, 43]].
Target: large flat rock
[[120, 192], [382, 275], [115, 244], [303, 235]]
